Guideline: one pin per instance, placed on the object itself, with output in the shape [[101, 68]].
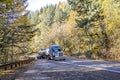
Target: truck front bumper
[[60, 58]]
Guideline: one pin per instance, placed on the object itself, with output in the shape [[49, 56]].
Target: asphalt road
[[70, 69]]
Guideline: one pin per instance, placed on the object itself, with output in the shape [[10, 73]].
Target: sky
[[37, 4]]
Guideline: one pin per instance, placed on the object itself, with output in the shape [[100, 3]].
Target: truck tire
[[48, 58]]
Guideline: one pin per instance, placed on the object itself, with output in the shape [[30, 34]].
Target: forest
[[87, 28]]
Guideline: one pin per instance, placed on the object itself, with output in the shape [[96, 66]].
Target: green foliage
[[111, 10], [88, 11], [15, 32], [33, 17], [89, 27]]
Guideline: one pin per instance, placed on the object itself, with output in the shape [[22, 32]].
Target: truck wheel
[[53, 57], [40, 57], [64, 59], [48, 58]]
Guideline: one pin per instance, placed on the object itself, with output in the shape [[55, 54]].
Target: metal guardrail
[[12, 65]]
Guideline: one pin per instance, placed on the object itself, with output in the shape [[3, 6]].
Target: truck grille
[[60, 54]]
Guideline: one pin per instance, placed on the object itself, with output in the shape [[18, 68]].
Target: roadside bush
[[89, 53]]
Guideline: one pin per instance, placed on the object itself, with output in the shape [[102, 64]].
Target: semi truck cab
[[56, 53]]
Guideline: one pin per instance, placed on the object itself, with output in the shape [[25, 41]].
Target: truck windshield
[[59, 49]]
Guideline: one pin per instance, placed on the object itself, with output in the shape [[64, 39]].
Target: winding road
[[70, 69]]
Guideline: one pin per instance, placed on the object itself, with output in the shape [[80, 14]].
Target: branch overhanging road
[[70, 69]]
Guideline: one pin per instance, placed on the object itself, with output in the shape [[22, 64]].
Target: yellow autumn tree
[[111, 12]]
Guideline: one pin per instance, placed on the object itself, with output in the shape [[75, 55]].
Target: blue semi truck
[[54, 52]]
